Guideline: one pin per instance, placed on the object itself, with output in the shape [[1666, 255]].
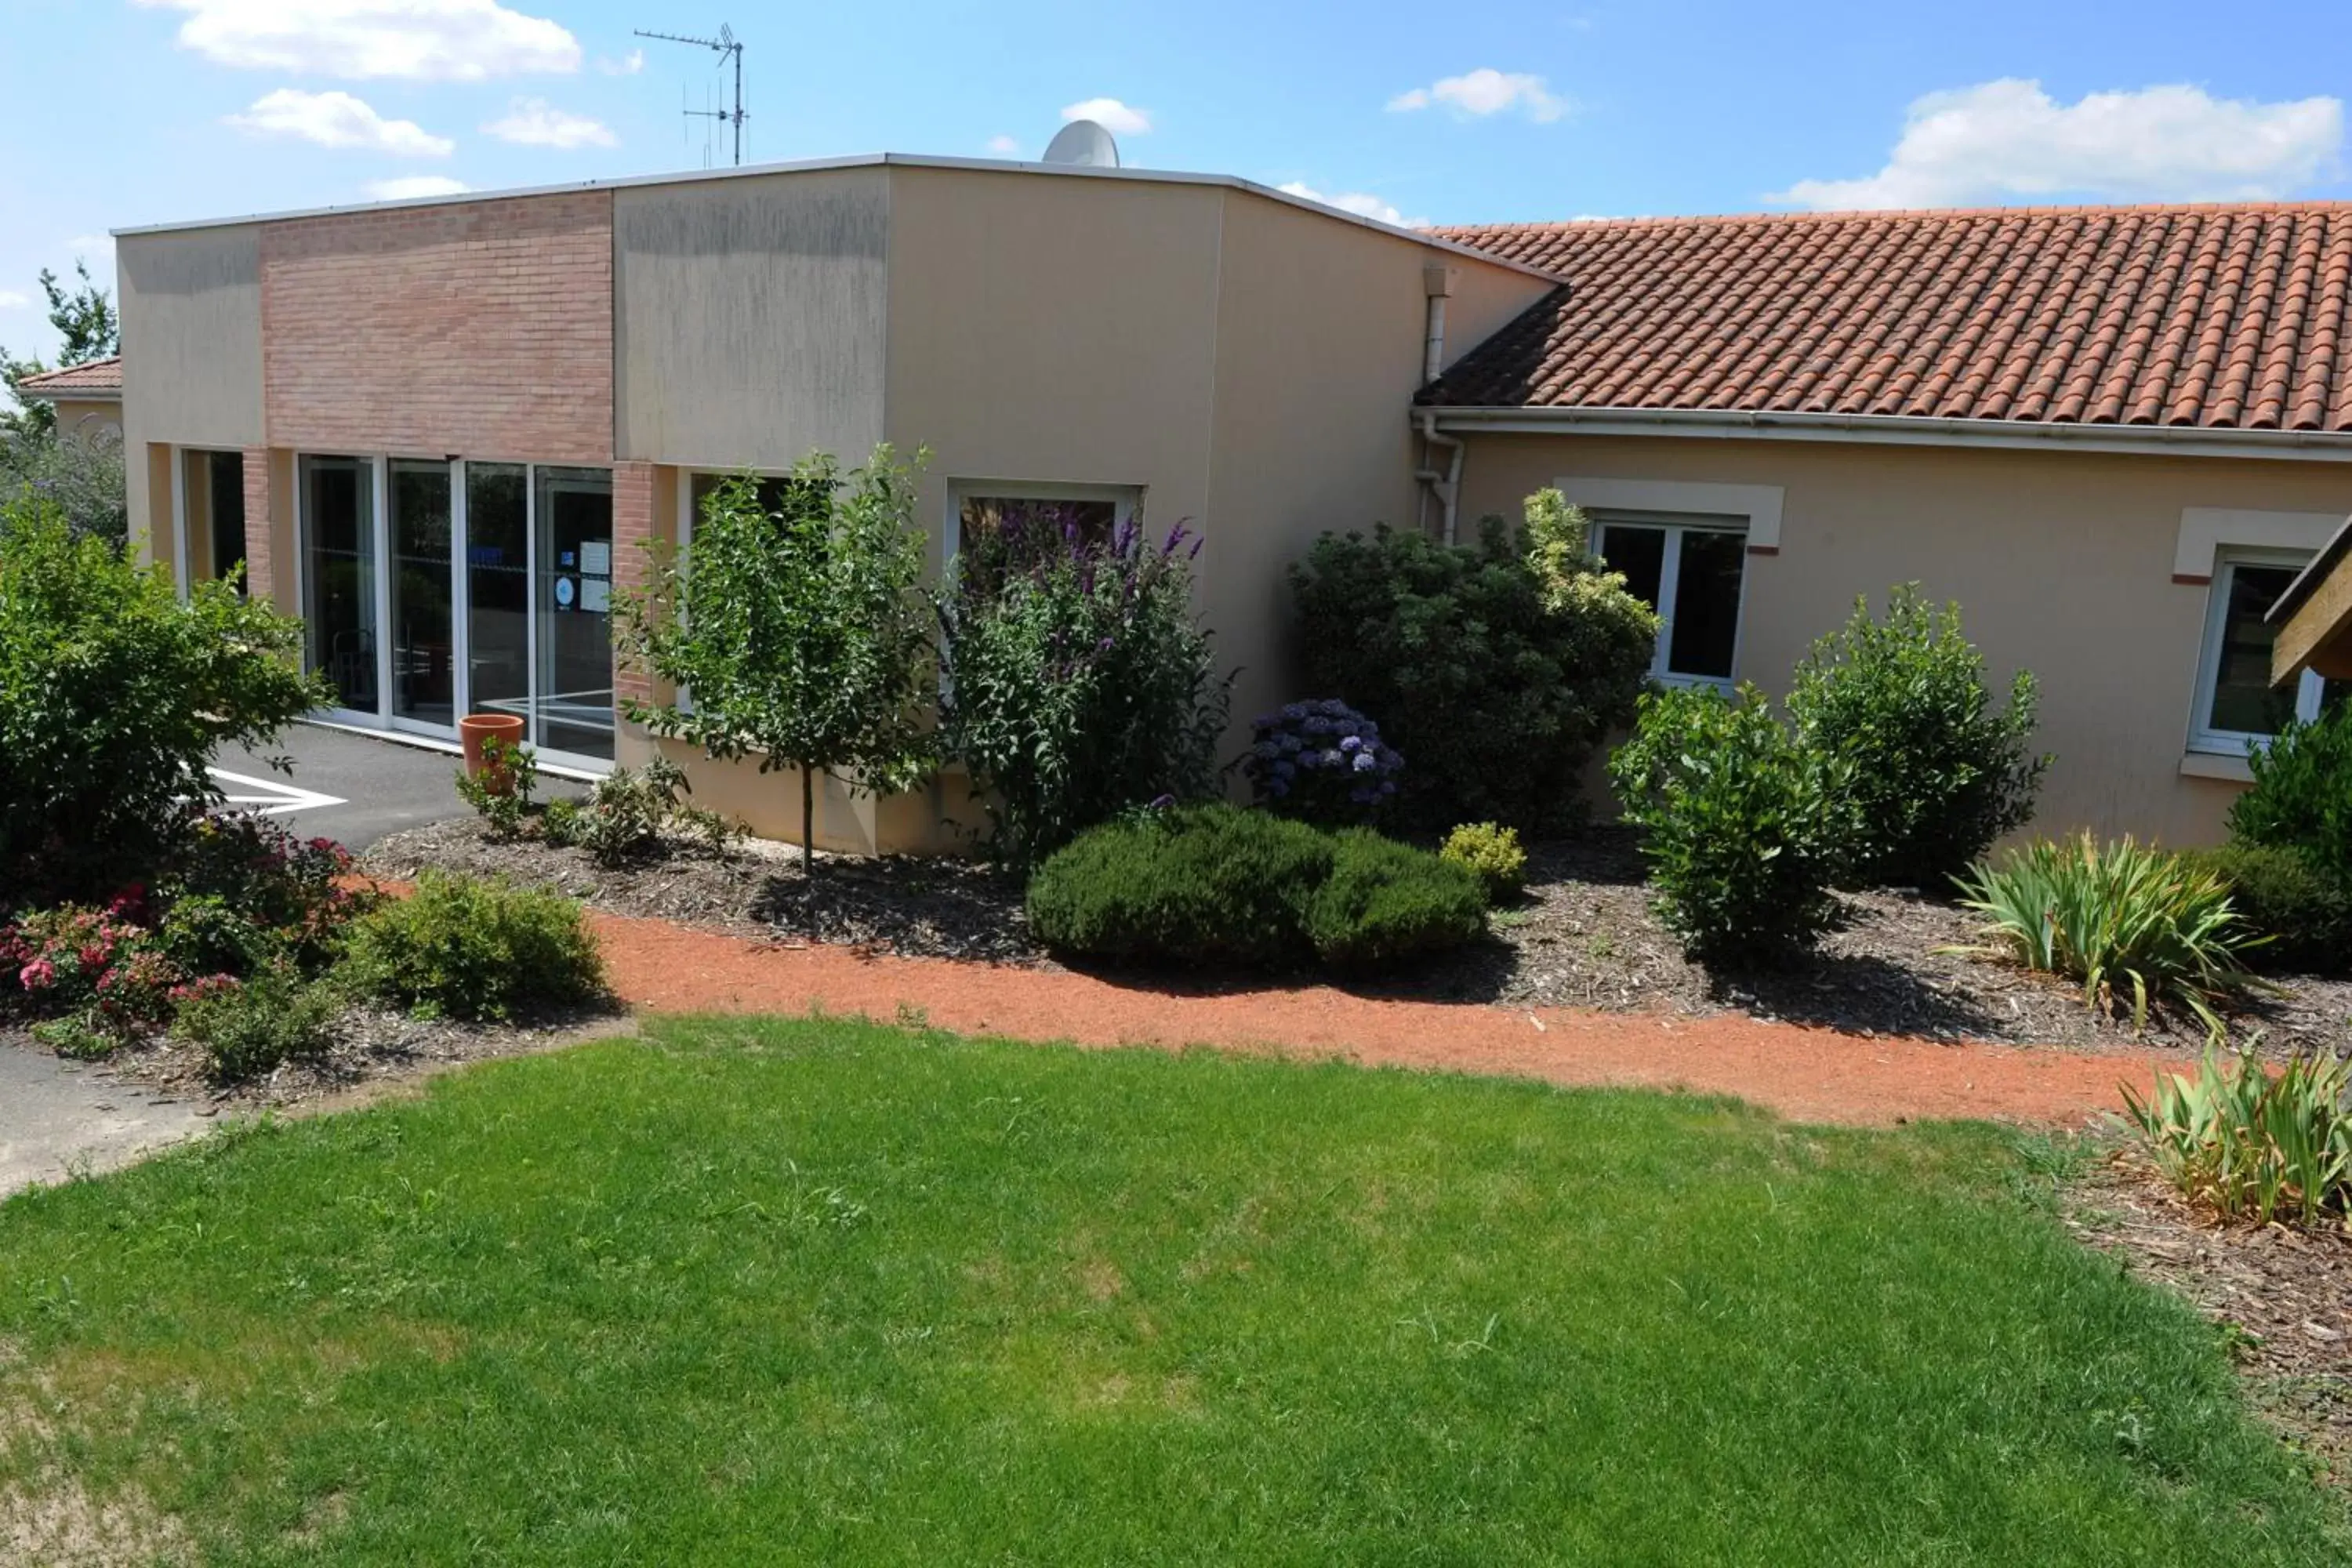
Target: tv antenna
[[727, 46]]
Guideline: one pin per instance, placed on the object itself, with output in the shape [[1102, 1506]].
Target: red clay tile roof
[[2220, 317], [92, 378]]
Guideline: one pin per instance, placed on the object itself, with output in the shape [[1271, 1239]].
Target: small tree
[[799, 634], [114, 694]]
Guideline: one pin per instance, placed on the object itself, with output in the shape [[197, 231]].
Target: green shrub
[[1745, 831], [1493, 855], [2251, 1145], [1385, 902], [1937, 771], [2305, 918], [114, 694], [1214, 884], [202, 934], [2123, 919], [1205, 884], [248, 1027], [1494, 668], [466, 947], [2301, 794], [501, 795], [630, 811], [1079, 685]]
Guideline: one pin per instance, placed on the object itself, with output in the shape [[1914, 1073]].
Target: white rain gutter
[[2017, 435]]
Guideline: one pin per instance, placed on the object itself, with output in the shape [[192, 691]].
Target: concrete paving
[[59, 1118]]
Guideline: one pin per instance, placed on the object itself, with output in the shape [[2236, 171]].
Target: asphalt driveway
[[351, 788]]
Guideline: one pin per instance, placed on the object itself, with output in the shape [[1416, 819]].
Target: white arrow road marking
[[268, 797]]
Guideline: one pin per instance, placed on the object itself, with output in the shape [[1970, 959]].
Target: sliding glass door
[[575, 593], [338, 578], [497, 587], [435, 588], [423, 620]]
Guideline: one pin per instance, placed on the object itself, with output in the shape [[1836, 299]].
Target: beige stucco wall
[[1248, 365], [2062, 563], [191, 306], [1320, 333], [749, 318]]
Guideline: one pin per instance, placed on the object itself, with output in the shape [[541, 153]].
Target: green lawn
[[754, 1292]]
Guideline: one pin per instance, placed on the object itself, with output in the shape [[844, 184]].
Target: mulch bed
[[370, 1044], [1583, 936], [2286, 1294]]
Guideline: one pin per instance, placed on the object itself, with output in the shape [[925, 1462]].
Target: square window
[[2237, 708], [1692, 572]]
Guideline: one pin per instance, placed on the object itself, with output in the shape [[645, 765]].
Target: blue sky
[[1494, 111]]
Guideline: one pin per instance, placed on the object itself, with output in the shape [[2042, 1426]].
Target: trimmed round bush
[[469, 947], [1198, 884], [1215, 884], [1493, 854], [1384, 902]]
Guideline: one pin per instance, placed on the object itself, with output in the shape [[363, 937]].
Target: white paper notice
[[596, 559], [595, 594]]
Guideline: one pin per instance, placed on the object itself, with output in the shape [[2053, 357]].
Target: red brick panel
[[260, 574], [482, 329], [633, 531]]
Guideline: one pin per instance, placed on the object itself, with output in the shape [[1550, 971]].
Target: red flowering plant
[[242, 892], [96, 976]]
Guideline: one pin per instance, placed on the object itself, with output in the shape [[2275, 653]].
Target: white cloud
[[1111, 115], [2008, 138], [629, 63], [1486, 91], [338, 119], [1356, 202], [404, 187], [437, 40], [535, 122], [1004, 146], [13, 299]]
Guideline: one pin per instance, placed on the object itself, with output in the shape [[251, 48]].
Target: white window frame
[[1670, 570], [2203, 739], [1125, 500]]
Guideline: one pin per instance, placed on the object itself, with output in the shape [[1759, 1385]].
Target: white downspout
[[1446, 487], [1437, 283]]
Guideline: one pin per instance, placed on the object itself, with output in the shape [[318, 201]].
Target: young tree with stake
[[798, 630]]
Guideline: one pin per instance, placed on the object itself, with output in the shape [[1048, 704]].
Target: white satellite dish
[[1084, 142]]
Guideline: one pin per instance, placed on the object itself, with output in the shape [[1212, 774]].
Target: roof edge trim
[[869, 161], [2175, 440]]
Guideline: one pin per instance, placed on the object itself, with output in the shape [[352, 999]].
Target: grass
[[818, 1292]]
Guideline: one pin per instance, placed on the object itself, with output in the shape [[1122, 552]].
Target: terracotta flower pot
[[475, 728]]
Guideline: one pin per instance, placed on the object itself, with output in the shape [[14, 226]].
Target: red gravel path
[[1810, 1074]]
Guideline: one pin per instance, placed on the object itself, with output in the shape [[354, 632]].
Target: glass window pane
[[1000, 535], [574, 603], [1703, 625], [1640, 553], [339, 568], [2244, 703], [498, 589], [424, 684], [224, 478]]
